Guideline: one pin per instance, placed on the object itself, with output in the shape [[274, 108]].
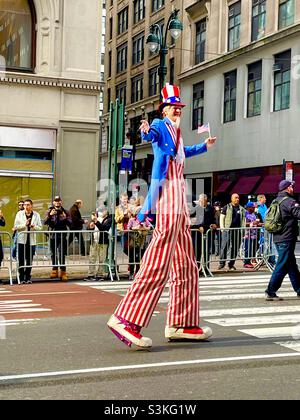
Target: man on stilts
[[170, 255]]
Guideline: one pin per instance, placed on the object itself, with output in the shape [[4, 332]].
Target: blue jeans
[[286, 264]]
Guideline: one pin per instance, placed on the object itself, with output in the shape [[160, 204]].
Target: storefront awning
[[224, 186], [269, 185], [245, 184], [297, 183]]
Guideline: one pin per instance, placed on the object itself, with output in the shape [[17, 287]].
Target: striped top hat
[[170, 96]]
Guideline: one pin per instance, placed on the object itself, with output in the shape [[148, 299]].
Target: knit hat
[[284, 184]]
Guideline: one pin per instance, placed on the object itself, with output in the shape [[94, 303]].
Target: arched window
[[17, 34]]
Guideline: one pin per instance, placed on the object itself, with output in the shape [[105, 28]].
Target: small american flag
[[204, 128]]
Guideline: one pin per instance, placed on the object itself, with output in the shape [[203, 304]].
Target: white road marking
[[26, 310], [262, 320], [273, 332], [248, 311], [27, 376], [292, 345], [12, 322]]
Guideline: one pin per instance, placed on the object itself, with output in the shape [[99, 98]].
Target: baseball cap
[[284, 184], [250, 204], [57, 198]]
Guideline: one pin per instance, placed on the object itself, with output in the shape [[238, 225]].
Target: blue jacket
[[163, 148]]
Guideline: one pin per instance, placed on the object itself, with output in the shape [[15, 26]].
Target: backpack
[[273, 221]]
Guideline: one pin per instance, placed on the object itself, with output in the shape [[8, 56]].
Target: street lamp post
[[157, 40]]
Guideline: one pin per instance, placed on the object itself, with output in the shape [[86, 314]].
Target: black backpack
[[273, 221]]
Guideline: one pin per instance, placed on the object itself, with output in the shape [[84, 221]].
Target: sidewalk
[[78, 269]]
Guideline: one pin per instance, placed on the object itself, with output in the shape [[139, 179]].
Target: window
[[108, 99], [153, 81], [137, 88], [134, 130], [17, 34], [282, 80], [123, 21], [138, 49], [258, 19], [122, 58], [200, 41], [234, 26], [198, 105], [230, 96], [110, 28], [121, 92], [286, 13], [157, 4], [254, 89], [109, 63], [138, 10]]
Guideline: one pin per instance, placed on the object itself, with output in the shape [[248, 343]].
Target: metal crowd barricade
[[56, 249], [7, 245], [251, 245], [201, 255], [130, 248]]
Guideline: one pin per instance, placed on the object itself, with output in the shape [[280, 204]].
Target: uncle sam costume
[[169, 257]]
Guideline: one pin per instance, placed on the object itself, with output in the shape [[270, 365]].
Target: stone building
[[49, 108]]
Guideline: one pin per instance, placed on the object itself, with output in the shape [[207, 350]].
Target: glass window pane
[[285, 95], [277, 104], [16, 33]]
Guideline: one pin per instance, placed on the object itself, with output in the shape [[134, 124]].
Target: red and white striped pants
[[169, 258]]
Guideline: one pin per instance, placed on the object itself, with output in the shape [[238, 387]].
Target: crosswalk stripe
[[292, 345], [272, 332], [262, 320], [207, 313]]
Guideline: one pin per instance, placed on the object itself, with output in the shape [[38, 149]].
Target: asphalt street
[[65, 351]]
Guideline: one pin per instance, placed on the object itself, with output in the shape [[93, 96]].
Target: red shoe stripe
[[193, 330], [135, 334]]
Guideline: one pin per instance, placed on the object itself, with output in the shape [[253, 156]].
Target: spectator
[[2, 223], [251, 235], [232, 217], [285, 242], [14, 250], [217, 207], [262, 210], [27, 221], [204, 220], [137, 240], [77, 224], [58, 219], [261, 206], [99, 244], [122, 217]]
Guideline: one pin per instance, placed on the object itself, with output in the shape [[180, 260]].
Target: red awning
[[245, 184], [269, 185], [297, 183], [223, 187]]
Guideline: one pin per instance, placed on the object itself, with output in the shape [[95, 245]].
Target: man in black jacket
[[285, 242], [58, 219], [204, 220], [77, 224]]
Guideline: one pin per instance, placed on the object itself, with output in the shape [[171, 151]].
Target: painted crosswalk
[[239, 302]]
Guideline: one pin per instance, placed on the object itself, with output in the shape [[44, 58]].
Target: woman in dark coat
[[2, 223]]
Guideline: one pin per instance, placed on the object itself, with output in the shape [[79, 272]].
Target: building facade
[[131, 71], [242, 75], [49, 109], [238, 66]]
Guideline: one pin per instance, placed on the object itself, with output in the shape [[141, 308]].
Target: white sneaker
[[128, 333], [188, 333]]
